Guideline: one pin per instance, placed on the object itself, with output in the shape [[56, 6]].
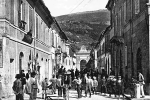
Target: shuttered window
[[37, 27], [12, 11], [30, 18], [137, 6], [125, 12]]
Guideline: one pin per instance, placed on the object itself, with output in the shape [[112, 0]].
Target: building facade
[[58, 47], [27, 40], [130, 38]]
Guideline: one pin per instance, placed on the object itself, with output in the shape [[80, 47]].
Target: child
[[95, 84], [44, 87]]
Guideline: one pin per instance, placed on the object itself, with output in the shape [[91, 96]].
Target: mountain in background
[[84, 28]]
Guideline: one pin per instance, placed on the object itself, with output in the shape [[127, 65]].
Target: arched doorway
[[82, 64], [21, 55], [139, 59]]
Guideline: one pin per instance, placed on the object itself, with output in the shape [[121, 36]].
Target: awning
[[117, 40]]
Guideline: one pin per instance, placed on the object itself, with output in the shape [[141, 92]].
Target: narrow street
[[73, 96]]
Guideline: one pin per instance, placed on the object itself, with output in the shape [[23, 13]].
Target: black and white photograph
[[74, 49]]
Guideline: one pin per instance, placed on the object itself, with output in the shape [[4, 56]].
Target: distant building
[[82, 57]]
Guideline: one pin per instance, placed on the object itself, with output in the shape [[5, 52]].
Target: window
[[120, 22], [125, 12], [21, 10], [137, 6], [30, 18], [52, 38], [37, 27], [116, 22], [12, 11], [21, 15]]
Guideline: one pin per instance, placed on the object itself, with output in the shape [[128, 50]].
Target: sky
[[62, 7]]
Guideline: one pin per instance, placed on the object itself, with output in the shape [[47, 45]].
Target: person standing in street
[[78, 83], [103, 88], [89, 84], [59, 85], [53, 81], [17, 87], [34, 86], [141, 81], [77, 72], [95, 84], [120, 86], [23, 81], [44, 87]]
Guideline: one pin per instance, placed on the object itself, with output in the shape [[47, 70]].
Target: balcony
[[118, 40], [28, 37]]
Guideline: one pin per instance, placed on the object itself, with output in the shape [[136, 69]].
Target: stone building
[[26, 41], [130, 38]]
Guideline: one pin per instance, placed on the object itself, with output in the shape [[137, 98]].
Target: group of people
[[117, 85], [25, 84], [63, 81], [86, 83]]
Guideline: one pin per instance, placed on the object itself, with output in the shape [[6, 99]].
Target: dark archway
[[139, 60], [82, 64], [21, 55]]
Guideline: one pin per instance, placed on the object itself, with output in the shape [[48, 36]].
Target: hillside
[[84, 28]]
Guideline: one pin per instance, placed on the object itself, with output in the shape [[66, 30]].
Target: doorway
[[21, 55], [139, 60]]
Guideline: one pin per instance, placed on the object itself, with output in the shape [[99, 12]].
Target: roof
[[61, 32], [42, 11], [109, 4]]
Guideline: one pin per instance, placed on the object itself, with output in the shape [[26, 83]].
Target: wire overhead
[[77, 6], [87, 3]]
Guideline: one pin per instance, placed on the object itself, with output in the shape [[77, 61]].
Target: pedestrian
[[60, 71], [66, 83], [132, 86], [89, 84], [44, 87], [23, 81], [28, 74], [17, 87], [141, 81], [34, 86], [72, 74], [78, 84], [120, 86], [95, 84], [103, 88], [59, 85], [77, 72], [53, 81]]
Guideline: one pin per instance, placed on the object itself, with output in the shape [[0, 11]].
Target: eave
[[42, 11], [109, 5]]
